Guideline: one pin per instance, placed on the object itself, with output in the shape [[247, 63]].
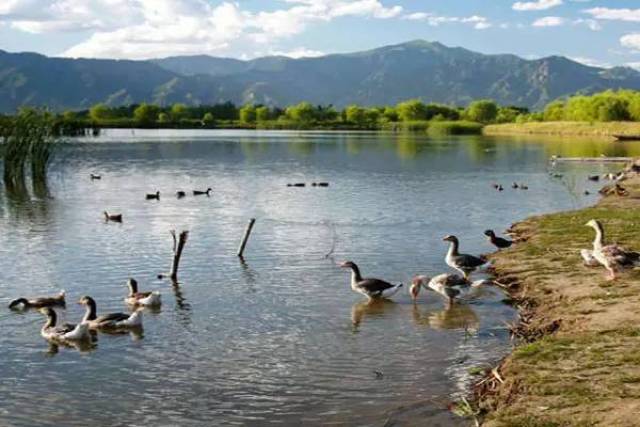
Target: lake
[[279, 338]]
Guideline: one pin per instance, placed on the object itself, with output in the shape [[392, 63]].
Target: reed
[[28, 144]]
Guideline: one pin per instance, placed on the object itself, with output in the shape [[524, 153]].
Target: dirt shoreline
[[577, 358]]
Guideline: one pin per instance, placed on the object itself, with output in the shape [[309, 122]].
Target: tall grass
[[28, 144]]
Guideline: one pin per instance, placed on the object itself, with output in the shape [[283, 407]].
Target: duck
[[112, 217], [594, 178], [498, 242], [524, 187], [66, 332], [500, 188], [94, 176], [180, 194], [111, 320], [613, 257], [207, 192], [465, 264], [148, 299], [515, 186], [495, 186], [369, 287], [449, 285], [155, 196], [39, 302]]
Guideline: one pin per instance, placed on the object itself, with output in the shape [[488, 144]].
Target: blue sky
[[598, 32]]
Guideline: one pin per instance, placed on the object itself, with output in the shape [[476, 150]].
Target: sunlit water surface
[[279, 338]]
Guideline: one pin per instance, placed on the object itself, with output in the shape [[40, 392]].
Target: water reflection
[[453, 316], [376, 308]]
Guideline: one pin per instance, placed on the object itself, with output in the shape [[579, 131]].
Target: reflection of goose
[[149, 299], [369, 308], [458, 316], [369, 287], [111, 320], [465, 264], [613, 257], [66, 332], [39, 302]]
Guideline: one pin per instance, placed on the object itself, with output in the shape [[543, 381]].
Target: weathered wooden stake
[[245, 238], [178, 247]]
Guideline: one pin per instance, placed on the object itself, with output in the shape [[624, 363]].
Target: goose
[[498, 242], [524, 187], [39, 302], [594, 178], [449, 285], [500, 188], [155, 196], [111, 320], [369, 287], [515, 186], [94, 176], [207, 192], [180, 194], [148, 299], [66, 332], [465, 264], [112, 217], [613, 257], [588, 258]]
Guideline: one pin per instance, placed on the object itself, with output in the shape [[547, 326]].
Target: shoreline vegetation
[[608, 130], [577, 357]]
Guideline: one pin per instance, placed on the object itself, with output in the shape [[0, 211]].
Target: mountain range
[[430, 71]]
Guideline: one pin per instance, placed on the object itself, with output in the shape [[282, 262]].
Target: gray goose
[[108, 321], [39, 302], [465, 264], [369, 287], [613, 257]]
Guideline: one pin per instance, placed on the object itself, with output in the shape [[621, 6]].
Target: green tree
[[163, 118], [302, 113], [100, 112], [554, 112], [263, 114], [248, 114], [390, 114], [179, 112], [483, 111], [413, 109], [145, 114], [356, 114], [208, 118]]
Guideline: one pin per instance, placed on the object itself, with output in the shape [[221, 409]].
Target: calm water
[[279, 339]]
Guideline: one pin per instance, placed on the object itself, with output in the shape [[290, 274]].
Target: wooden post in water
[[245, 238], [178, 247]]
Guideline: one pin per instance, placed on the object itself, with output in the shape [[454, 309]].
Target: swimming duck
[[148, 299], [207, 192], [465, 264], [94, 176], [500, 188], [369, 287], [449, 285], [155, 196], [524, 187], [515, 186], [180, 194], [39, 302], [613, 257], [66, 332], [112, 217], [498, 242], [111, 320]]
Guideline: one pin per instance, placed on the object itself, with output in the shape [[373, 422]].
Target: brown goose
[[108, 321], [148, 299], [66, 332], [112, 217], [369, 287], [613, 257], [39, 302]]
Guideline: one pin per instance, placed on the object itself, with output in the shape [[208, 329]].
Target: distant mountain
[[387, 75]]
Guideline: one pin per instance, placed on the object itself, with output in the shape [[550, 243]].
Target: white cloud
[[140, 29], [478, 22], [592, 24], [300, 52], [591, 62], [536, 5], [635, 65], [631, 41], [549, 21], [631, 15]]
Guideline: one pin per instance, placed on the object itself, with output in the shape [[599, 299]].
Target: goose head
[[594, 224], [348, 264], [133, 286], [489, 233], [416, 283], [87, 300], [450, 238]]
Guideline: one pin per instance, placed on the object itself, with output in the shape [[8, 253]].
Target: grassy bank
[[604, 129], [578, 358]]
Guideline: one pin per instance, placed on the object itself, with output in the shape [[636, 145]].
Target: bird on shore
[[112, 217], [155, 196], [207, 192], [108, 321], [147, 299], [61, 333], [39, 302], [449, 285], [180, 194], [369, 287], [498, 242], [613, 257], [465, 264]]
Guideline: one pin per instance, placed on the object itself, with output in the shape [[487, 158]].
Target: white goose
[[449, 285], [62, 333], [146, 299], [613, 257]]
